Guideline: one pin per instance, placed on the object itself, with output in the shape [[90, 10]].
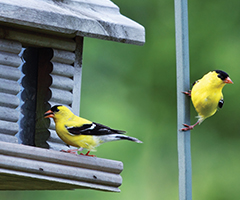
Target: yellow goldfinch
[[82, 133], [206, 95]]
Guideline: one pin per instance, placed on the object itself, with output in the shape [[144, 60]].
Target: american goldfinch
[[82, 133], [206, 95]]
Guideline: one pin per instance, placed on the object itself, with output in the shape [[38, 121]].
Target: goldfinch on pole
[[206, 95]]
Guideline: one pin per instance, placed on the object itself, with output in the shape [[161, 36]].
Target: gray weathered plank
[[41, 182], [61, 96], [10, 46], [10, 73], [61, 82], [57, 145], [46, 155], [10, 59], [9, 86], [30, 38], [9, 100], [63, 69], [9, 114], [58, 170], [8, 138], [22, 162], [8, 128], [77, 76], [65, 57]]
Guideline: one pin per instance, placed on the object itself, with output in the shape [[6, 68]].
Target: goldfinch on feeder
[[82, 133]]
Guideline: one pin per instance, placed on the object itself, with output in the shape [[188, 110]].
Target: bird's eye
[[220, 76]]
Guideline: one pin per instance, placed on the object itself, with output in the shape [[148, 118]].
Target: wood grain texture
[[97, 19], [47, 169]]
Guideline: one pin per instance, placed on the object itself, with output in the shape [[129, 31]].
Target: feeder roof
[[91, 18]]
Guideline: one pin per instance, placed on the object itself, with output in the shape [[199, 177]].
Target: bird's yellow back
[[206, 94], [65, 118]]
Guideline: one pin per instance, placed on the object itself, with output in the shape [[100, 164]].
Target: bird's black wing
[[220, 103], [93, 129], [80, 130], [195, 83]]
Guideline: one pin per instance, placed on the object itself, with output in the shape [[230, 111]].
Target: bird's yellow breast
[[205, 97], [206, 104], [85, 141]]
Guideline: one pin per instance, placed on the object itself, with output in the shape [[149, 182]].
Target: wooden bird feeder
[[41, 46]]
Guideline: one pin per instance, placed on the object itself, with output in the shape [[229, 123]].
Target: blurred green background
[[134, 88]]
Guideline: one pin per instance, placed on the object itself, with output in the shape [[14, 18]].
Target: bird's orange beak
[[228, 80], [49, 114]]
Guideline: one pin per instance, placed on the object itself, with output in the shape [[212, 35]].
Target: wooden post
[[183, 102], [77, 79]]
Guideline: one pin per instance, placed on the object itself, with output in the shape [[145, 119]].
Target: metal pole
[[183, 102]]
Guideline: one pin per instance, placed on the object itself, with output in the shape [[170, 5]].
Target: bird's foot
[[72, 151], [188, 127], [87, 154], [188, 93]]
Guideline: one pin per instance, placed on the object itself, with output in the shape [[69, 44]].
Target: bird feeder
[[41, 46]]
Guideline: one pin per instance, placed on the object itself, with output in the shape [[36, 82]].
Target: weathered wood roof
[[92, 18]]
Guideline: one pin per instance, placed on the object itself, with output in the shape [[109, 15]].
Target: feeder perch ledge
[[24, 167]]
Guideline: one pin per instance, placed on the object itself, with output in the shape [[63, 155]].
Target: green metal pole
[[183, 101]]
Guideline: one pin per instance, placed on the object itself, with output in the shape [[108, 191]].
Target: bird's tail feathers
[[120, 131], [113, 137], [125, 137]]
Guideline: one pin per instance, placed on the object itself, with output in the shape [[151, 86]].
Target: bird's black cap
[[221, 74], [55, 108]]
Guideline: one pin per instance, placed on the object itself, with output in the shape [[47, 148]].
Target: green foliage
[[133, 88]]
